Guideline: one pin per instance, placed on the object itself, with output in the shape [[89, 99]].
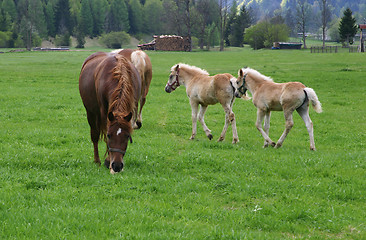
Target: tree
[[117, 17], [264, 33], [86, 19], [63, 17], [325, 16], [240, 23], [303, 13], [49, 14], [99, 9], [222, 23], [135, 16], [347, 27], [152, 16]]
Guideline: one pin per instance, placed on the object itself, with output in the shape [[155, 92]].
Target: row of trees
[[211, 22]]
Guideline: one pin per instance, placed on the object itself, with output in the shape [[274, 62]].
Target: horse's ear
[[241, 74], [128, 117], [177, 67], [111, 116]]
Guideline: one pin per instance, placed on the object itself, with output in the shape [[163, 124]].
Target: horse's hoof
[[235, 140], [312, 149], [273, 144], [106, 163], [191, 138], [210, 136], [277, 145]]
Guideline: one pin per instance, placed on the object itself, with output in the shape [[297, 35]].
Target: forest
[[25, 23]]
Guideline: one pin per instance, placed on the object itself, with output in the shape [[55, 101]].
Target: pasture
[[172, 187]]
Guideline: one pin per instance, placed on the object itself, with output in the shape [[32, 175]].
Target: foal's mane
[[255, 74], [122, 97], [194, 69]]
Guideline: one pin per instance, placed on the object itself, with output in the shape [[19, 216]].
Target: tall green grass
[[174, 188]]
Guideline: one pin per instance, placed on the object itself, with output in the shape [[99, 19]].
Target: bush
[[115, 39], [265, 33], [63, 40]]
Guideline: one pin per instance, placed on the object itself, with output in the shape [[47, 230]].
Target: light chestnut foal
[[205, 90], [270, 96]]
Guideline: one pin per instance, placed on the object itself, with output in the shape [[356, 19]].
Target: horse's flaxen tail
[[314, 100]]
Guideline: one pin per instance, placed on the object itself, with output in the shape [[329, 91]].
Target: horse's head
[[118, 135], [173, 82], [240, 84]]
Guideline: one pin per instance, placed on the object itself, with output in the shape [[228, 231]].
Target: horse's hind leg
[[267, 119], [94, 134], [260, 116], [289, 125], [139, 116], [201, 118], [304, 113]]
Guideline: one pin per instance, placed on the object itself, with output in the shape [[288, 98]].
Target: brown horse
[[270, 96], [110, 88], [143, 65], [205, 90]]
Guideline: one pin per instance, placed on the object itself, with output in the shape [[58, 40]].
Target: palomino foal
[[270, 96], [205, 90]]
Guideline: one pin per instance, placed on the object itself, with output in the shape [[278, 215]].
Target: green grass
[[174, 188]]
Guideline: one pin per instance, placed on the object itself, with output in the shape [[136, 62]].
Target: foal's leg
[[94, 134], [267, 118], [229, 118], [304, 113], [194, 107], [258, 124], [289, 124], [201, 116]]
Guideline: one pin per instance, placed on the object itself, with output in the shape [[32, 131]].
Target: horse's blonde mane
[[190, 68], [255, 74]]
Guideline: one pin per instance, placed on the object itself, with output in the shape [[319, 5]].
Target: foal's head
[[240, 86], [173, 82], [118, 135]]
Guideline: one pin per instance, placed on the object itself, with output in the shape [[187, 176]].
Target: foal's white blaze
[[119, 131]]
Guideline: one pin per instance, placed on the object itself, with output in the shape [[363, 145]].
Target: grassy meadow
[[171, 187]]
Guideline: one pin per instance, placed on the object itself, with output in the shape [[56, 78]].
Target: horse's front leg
[[229, 118], [201, 118], [289, 124], [194, 107], [258, 124]]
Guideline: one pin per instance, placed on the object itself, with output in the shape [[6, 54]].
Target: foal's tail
[[314, 100]]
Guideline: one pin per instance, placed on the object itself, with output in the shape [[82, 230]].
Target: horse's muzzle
[[237, 94], [168, 89]]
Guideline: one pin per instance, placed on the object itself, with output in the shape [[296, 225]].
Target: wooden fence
[[333, 49]]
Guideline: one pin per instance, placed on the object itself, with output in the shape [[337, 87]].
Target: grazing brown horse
[[270, 96], [205, 90], [142, 63], [110, 88]]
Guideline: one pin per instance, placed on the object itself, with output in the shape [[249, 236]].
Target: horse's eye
[[108, 136]]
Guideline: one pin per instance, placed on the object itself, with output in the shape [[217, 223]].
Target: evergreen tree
[[63, 17], [135, 16], [347, 27], [86, 19], [9, 7], [152, 16], [241, 22], [117, 17], [99, 9], [49, 14], [5, 21]]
